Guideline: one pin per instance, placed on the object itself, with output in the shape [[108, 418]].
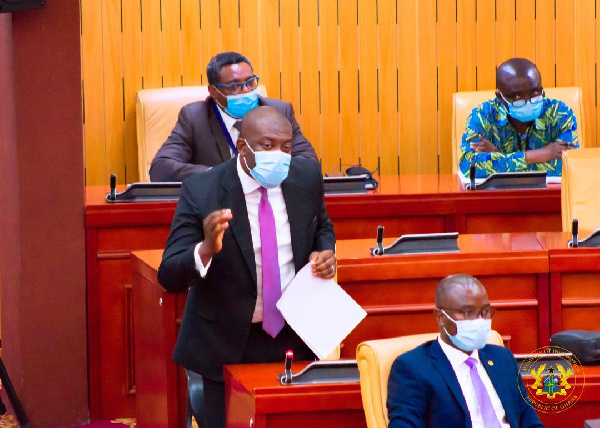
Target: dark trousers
[[261, 348]]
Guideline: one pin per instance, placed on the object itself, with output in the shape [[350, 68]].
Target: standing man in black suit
[[206, 132], [240, 233]]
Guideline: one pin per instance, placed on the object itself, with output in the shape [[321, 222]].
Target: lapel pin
[[490, 363]]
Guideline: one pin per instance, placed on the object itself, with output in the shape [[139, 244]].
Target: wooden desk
[[404, 204], [574, 283], [253, 391], [398, 291]]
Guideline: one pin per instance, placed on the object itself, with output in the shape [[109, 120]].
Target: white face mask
[[470, 334]]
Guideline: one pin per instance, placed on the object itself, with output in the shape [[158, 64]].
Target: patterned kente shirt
[[490, 120]]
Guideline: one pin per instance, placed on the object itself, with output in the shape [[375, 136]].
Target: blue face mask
[[271, 167], [470, 334], [239, 105], [527, 113]]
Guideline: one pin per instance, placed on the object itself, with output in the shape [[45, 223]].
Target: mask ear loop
[[247, 145], [454, 321]]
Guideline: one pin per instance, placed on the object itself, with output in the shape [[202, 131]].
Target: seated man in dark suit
[[240, 233], [206, 132], [458, 380]]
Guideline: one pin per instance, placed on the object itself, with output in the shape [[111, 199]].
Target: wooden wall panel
[[367, 67], [329, 68], [370, 82], [348, 30], [447, 80], [407, 88], [388, 86]]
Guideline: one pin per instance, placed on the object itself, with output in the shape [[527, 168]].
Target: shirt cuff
[[199, 266]]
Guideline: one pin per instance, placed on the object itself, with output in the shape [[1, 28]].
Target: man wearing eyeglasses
[[206, 131], [521, 129], [458, 380]]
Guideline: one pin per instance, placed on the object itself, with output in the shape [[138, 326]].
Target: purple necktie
[[273, 321], [483, 399]]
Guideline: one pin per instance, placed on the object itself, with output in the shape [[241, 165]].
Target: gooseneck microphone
[[472, 176], [113, 187], [574, 233]]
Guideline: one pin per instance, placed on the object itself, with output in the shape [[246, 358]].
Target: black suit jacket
[[197, 142], [218, 311]]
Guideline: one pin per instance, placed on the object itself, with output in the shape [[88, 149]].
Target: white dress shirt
[[458, 360], [229, 122], [284, 238]]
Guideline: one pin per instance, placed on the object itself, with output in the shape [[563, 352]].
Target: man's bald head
[[264, 118], [263, 129], [450, 289], [517, 77]]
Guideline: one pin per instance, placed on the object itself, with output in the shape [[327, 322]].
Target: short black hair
[[221, 60]]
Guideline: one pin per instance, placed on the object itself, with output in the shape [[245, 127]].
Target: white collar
[[227, 120], [249, 184], [456, 356]]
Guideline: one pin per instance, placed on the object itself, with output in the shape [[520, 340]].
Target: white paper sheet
[[319, 311], [465, 180]]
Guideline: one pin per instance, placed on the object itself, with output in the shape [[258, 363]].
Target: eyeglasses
[[472, 314], [237, 87], [522, 101]]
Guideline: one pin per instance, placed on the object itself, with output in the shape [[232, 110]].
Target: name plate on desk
[[421, 243], [147, 192], [339, 371], [510, 180], [349, 184]]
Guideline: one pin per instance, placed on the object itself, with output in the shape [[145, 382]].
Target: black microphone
[[113, 187], [289, 359], [472, 176], [574, 233], [380, 240]]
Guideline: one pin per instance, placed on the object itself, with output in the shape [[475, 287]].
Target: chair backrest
[[156, 115], [375, 358], [463, 104], [580, 198]]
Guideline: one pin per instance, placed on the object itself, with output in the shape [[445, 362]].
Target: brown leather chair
[[156, 115], [375, 358], [463, 104], [580, 197]]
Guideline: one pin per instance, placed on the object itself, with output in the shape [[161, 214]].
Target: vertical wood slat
[[466, 54], [446, 57], [367, 66], [290, 54], [269, 46], [545, 42], [526, 29], [151, 52], [407, 88], [93, 92], [486, 41], [428, 141], [146, 45], [309, 79], [171, 43], [112, 55], [132, 78], [210, 42], [230, 25], [565, 43], [505, 30], [329, 61], [587, 66], [250, 39], [191, 66], [388, 86], [349, 81]]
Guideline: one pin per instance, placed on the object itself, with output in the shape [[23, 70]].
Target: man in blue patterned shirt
[[520, 129]]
